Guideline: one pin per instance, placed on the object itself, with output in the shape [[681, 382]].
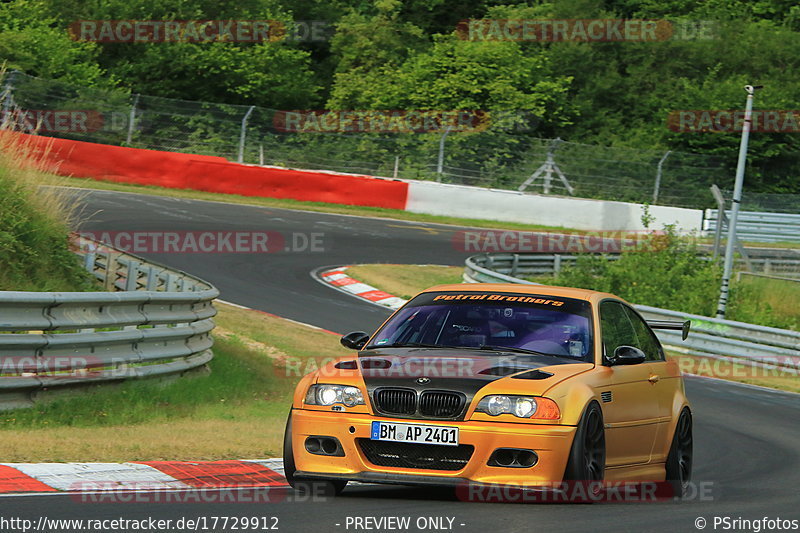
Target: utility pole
[[737, 199]]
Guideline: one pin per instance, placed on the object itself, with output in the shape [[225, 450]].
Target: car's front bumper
[[551, 443]]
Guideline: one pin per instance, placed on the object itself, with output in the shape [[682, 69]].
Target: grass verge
[[34, 225], [769, 301], [237, 411], [405, 281]]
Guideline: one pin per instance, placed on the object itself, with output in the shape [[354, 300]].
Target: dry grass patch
[[406, 281]]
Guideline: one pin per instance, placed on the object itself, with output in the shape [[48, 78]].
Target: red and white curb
[[339, 280], [27, 478]]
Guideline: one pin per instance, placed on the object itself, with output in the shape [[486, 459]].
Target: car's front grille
[[396, 401], [433, 404], [441, 404], [410, 455]]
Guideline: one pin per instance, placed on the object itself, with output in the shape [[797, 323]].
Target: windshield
[[492, 321]]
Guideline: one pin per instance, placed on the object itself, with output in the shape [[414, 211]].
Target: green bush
[[663, 271]]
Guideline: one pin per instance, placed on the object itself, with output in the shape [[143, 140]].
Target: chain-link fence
[[506, 154]]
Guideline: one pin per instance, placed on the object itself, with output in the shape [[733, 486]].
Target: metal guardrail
[[711, 337], [785, 263], [530, 264], [159, 325], [759, 226]]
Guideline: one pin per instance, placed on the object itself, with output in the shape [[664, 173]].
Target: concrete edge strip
[[155, 476], [338, 279]]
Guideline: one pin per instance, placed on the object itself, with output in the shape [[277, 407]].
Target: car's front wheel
[[587, 458], [679, 460], [314, 487]]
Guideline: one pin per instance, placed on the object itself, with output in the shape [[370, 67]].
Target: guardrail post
[[110, 280], [152, 279], [89, 259], [556, 265], [133, 276], [514, 264]]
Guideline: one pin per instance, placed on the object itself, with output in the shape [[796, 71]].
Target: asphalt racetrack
[[747, 440]]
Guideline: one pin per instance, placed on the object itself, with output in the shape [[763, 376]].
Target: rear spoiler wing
[[683, 327]]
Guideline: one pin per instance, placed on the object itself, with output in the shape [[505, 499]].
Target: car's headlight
[[333, 394], [519, 406]]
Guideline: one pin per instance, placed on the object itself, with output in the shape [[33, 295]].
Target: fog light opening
[[329, 446], [313, 445], [504, 457], [526, 458]]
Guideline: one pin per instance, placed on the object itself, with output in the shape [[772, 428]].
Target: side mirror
[[627, 355], [355, 340]]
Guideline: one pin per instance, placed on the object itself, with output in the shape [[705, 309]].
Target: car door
[[630, 409], [663, 377]]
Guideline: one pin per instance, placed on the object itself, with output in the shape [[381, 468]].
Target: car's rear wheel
[[315, 487], [587, 458], [679, 460]]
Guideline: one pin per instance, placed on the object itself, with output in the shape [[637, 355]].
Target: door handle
[[653, 379]]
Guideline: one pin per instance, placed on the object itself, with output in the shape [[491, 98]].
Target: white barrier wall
[[512, 206]]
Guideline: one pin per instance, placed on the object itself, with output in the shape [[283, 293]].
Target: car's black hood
[[448, 369]]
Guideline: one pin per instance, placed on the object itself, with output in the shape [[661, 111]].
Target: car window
[[470, 319], [617, 329], [646, 340]]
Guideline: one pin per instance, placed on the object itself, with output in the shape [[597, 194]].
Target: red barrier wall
[[214, 174]]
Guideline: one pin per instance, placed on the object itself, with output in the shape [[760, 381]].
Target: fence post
[[8, 91], [440, 163], [131, 120], [243, 134], [396, 166], [658, 176]]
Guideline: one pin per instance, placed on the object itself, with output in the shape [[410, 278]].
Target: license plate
[[416, 433]]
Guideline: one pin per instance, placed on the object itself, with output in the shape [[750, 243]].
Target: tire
[[315, 486], [587, 458], [679, 460]]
